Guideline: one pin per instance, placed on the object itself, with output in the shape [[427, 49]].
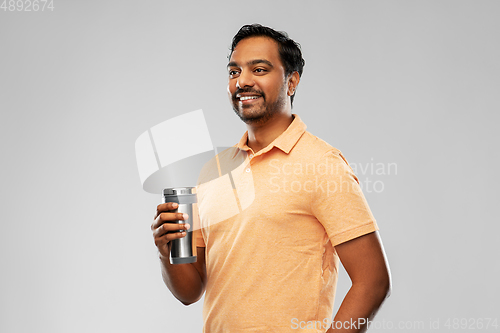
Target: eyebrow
[[252, 62]]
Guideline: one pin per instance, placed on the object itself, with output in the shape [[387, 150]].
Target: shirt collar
[[285, 141]]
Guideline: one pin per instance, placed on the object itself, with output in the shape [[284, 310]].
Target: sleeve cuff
[[354, 233]]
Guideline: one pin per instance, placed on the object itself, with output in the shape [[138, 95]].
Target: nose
[[244, 80]]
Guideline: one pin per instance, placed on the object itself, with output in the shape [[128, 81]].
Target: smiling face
[[257, 84]]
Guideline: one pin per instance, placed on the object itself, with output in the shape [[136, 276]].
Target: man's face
[[257, 85]]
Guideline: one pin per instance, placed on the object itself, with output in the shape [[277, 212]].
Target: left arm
[[364, 260]]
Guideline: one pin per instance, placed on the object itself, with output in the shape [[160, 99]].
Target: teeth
[[244, 98]]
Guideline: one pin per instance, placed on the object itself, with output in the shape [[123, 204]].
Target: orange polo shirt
[[269, 222]]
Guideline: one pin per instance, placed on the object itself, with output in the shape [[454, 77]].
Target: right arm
[[186, 281]]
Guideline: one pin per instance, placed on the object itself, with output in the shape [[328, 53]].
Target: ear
[[293, 82]]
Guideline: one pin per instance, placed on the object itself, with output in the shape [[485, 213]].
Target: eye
[[260, 70], [233, 73]]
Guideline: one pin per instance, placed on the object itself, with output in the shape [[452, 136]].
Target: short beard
[[270, 111]]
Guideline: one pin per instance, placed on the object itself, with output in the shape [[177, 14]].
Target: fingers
[[170, 231], [165, 207], [166, 228], [168, 217], [167, 232]]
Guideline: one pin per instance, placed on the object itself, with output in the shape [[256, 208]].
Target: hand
[[164, 231]]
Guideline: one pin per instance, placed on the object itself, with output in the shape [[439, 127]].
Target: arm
[[365, 262], [186, 281]]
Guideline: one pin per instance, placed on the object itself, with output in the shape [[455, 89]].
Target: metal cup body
[[183, 250]]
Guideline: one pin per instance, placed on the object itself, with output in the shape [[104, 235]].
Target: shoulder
[[315, 148]]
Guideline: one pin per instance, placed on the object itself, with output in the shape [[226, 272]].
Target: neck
[[260, 136]]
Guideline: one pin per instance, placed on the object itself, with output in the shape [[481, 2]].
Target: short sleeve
[[338, 202]]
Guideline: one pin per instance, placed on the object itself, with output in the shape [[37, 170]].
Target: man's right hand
[[186, 281], [165, 229]]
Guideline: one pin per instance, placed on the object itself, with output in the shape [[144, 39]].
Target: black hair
[[289, 50]]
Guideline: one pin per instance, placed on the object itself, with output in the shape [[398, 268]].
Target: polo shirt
[[270, 221]]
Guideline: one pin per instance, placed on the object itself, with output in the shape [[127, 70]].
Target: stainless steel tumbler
[[183, 250]]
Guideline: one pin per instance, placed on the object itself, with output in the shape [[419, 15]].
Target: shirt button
[[251, 155], [247, 170]]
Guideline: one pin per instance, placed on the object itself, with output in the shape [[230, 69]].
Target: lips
[[247, 98]]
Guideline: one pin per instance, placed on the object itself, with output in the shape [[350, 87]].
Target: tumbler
[[183, 250]]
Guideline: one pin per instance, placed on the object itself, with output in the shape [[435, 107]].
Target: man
[[272, 266]]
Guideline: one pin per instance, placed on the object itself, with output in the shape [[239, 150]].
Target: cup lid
[[179, 190]]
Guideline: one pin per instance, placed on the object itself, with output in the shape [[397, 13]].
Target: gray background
[[408, 82]]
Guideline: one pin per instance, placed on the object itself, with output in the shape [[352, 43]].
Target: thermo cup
[[183, 250]]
